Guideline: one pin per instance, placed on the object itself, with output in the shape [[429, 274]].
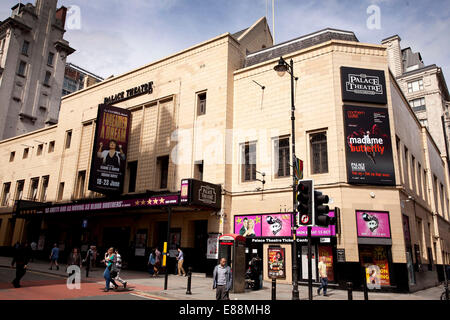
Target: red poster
[[376, 256], [327, 252]]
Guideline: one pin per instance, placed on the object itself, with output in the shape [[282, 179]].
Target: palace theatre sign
[[146, 88]]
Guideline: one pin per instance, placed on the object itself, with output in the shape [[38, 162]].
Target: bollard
[[350, 290], [366, 291], [274, 289], [188, 291]]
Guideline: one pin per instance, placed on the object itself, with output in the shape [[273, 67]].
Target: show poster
[[327, 252], [213, 246], [368, 146], [248, 226], [110, 149], [277, 225], [375, 260], [373, 224], [277, 263]]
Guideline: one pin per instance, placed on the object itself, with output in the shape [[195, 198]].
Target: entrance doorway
[[117, 238], [199, 261]]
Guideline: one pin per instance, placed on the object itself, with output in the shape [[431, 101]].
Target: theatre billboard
[[368, 146], [110, 150]]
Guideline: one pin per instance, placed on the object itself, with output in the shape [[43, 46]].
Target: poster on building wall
[[277, 263], [141, 243], [213, 246], [373, 224], [248, 226], [375, 260], [110, 150], [368, 146], [363, 85], [327, 253], [277, 225]]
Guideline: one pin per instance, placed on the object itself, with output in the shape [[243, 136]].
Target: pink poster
[[277, 225], [373, 224], [247, 226], [329, 231]]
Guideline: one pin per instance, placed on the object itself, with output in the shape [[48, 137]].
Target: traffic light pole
[[310, 289], [295, 294]]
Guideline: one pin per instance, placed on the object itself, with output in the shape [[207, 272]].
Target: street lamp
[[281, 68]]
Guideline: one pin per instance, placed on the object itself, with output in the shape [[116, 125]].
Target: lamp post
[[281, 68]]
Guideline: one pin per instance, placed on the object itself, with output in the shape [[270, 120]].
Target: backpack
[[152, 259]]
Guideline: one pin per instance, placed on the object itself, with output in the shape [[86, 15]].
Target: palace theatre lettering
[[146, 88]]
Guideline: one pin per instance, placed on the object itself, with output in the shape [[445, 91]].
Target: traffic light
[[305, 199], [321, 210]]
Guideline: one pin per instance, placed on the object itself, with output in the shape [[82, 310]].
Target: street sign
[[304, 219], [340, 255]]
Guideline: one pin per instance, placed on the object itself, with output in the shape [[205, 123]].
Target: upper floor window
[[19, 189], [132, 174], [43, 196], [25, 153], [34, 189], [12, 155], [414, 86], [248, 161], [22, 69], [39, 149], [68, 138], [51, 146], [6, 193], [47, 78], [25, 47], [424, 122], [319, 153], [201, 103], [418, 104], [281, 151], [162, 164], [50, 58]]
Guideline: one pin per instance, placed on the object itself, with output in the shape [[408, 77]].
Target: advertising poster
[[373, 224], [277, 225], [277, 263], [327, 252], [363, 85], [110, 149], [368, 146], [375, 260], [141, 243], [329, 231], [212, 246], [247, 226]]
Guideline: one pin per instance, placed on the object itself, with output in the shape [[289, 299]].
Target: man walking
[[180, 259], [20, 260], [54, 257], [118, 269], [222, 280], [323, 277], [88, 260]]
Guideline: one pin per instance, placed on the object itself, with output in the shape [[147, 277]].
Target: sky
[[114, 36]]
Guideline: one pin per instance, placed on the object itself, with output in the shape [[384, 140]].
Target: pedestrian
[[323, 276], [222, 280], [88, 260], [109, 262], [20, 259], [151, 263], [54, 255], [33, 250], [157, 261], [74, 260], [180, 259], [256, 271], [94, 257], [117, 270]]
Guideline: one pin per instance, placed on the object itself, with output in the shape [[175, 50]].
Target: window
[[25, 153], [25, 47], [406, 167], [424, 122], [162, 164], [201, 103], [39, 149], [51, 55], [430, 259], [414, 86], [319, 155], [19, 189], [43, 196], [61, 191], [80, 184], [34, 189], [419, 180], [413, 173], [281, 152], [132, 174], [418, 104], [22, 69], [51, 146], [6, 192], [248, 161], [48, 75], [12, 155], [198, 170], [68, 138]]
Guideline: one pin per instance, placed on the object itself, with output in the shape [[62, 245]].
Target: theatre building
[[204, 136]]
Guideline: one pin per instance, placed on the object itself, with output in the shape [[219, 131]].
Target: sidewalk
[[202, 286]]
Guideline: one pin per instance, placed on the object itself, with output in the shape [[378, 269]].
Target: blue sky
[[119, 35]]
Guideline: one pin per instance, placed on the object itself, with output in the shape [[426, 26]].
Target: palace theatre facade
[[201, 130]]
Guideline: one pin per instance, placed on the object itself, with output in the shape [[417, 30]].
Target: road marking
[[146, 295]]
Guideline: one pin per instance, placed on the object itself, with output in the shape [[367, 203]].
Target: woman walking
[[109, 261]]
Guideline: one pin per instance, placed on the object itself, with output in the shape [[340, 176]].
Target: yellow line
[[146, 295]]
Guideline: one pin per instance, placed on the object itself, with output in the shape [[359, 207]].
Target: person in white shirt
[[323, 276]]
